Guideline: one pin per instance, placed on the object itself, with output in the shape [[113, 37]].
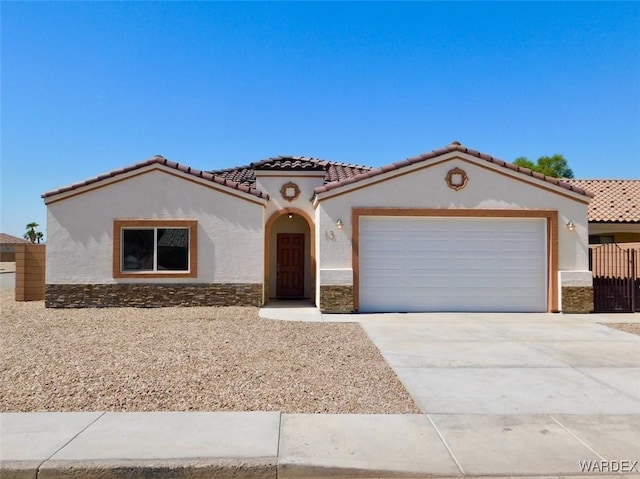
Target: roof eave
[[620, 222], [150, 164], [554, 184]]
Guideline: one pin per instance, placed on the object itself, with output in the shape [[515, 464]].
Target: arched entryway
[[289, 256]]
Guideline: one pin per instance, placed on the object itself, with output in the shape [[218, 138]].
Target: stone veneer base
[[151, 295], [336, 299], [577, 299]]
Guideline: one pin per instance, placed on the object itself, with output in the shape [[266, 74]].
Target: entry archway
[[286, 224]]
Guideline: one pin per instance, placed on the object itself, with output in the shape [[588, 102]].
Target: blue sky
[[88, 87]]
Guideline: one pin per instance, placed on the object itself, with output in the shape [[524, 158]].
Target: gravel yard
[[633, 328], [188, 359]]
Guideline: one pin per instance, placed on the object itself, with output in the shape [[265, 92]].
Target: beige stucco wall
[[80, 229], [622, 233], [488, 187], [271, 183]]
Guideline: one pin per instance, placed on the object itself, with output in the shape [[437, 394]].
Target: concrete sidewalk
[[305, 311], [534, 395], [270, 445]]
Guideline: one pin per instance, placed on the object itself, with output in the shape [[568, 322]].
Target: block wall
[[30, 272]]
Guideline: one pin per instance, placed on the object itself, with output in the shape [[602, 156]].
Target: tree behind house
[[33, 235], [555, 165]]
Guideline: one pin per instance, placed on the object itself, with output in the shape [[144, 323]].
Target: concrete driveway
[[502, 395], [520, 393], [462, 363]]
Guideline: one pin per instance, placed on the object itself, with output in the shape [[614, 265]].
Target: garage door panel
[[452, 264]]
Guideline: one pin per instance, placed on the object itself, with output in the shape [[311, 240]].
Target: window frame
[[154, 224]]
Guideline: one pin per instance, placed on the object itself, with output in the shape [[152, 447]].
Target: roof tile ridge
[[455, 146], [103, 176], [160, 160], [226, 170], [521, 169], [253, 164], [271, 159], [210, 177], [346, 181], [325, 164], [349, 165], [604, 179], [236, 185], [272, 163]]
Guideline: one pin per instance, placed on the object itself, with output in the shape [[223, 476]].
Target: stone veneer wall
[[336, 299], [151, 295], [577, 299]]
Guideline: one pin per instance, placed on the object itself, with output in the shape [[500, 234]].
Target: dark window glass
[[600, 239], [173, 249], [137, 250]]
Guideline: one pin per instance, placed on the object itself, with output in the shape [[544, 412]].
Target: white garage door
[[452, 264]]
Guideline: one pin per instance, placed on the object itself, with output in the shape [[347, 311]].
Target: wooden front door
[[290, 265]]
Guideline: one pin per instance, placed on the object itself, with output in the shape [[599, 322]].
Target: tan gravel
[[188, 359], [633, 328]]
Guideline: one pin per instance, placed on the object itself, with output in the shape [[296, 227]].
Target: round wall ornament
[[290, 191], [457, 179]]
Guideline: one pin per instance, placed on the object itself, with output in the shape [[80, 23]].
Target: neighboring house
[[449, 230], [614, 213], [8, 246]]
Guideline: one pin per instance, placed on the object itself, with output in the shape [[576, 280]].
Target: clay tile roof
[[341, 171], [614, 201], [243, 175], [455, 146], [289, 163], [334, 171], [229, 183], [10, 239]]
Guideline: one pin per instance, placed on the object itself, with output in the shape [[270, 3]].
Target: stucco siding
[[621, 232], [80, 230], [487, 188], [272, 185]]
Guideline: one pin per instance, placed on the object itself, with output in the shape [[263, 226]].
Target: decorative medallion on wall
[[457, 179], [290, 191]]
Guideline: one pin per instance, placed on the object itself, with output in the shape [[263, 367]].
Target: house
[[8, 247], [614, 213], [449, 230]]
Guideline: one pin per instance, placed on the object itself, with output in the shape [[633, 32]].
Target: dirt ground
[[188, 359]]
